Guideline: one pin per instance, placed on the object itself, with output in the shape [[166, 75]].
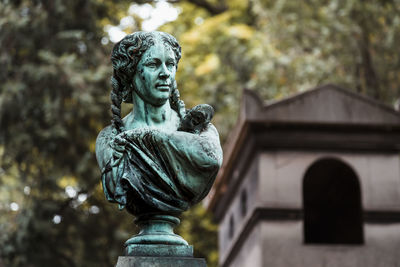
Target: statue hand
[[118, 144], [122, 139]]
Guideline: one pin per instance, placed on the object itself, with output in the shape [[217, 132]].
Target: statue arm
[[203, 148]]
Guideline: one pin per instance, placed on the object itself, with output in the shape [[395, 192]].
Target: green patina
[[160, 262], [161, 158]]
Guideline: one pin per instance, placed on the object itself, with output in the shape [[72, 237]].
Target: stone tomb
[[311, 180]]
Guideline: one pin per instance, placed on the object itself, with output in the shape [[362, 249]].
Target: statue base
[[158, 250], [160, 262], [157, 238]]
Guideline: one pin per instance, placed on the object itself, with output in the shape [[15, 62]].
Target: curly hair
[[125, 56]]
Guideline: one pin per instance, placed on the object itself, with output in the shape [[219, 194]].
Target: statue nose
[[164, 73]]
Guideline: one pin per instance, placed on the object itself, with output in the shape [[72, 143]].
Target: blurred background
[[54, 99]]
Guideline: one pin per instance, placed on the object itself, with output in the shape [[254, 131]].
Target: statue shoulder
[[103, 149], [105, 135]]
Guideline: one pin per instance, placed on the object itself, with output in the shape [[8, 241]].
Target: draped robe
[[157, 171]]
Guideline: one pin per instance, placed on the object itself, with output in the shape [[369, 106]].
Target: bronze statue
[[161, 158]]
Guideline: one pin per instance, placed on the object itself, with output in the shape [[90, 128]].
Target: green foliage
[[53, 102]]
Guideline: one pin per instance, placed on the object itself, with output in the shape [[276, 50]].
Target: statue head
[[128, 52], [130, 70]]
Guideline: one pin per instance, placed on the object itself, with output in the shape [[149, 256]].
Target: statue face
[[155, 74]]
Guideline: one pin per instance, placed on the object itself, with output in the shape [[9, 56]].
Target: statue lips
[[163, 87]]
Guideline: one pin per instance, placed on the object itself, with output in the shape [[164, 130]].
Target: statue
[[161, 158]]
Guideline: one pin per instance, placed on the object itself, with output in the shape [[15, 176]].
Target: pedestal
[[157, 245], [158, 250], [157, 239], [160, 262]]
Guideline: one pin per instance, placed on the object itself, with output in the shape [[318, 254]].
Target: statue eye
[[151, 65]]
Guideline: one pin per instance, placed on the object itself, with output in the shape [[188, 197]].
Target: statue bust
[[161, 158]]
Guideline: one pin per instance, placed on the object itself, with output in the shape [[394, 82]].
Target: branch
[[366, 67], [213, 9]]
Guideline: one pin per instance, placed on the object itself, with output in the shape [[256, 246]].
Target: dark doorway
[[332, 204]]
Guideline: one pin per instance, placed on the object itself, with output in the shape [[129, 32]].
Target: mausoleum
[[311, 180]]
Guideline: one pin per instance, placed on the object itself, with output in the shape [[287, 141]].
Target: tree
[[54, 99], [281, 47]]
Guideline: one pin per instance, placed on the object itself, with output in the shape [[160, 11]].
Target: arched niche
[[332, 204]]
